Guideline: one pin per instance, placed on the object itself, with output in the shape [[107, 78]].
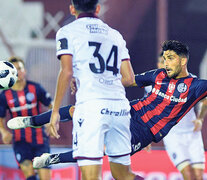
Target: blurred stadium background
[[28, 27]]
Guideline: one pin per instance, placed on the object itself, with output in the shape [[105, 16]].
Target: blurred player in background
[[184, 142], [24, 99], [96, 55]]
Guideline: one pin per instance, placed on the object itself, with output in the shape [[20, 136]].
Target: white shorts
[[101, 122], [185, 148]]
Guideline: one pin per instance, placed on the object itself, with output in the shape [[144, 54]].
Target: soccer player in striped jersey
[[24, 99], [184, 143], [174, 92]]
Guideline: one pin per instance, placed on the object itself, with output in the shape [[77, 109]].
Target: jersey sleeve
[[146, 78], [43, 96], [125, 51], [201, 89], [63, 43], [3, 105]]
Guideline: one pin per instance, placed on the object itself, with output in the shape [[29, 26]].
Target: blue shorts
[[27, 151], [141, 136]]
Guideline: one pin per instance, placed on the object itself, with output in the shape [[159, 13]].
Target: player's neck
[[183, 73], [87, 14], [19, 85]]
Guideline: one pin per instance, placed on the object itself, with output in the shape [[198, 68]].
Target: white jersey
[[97, 51], [186, 124]]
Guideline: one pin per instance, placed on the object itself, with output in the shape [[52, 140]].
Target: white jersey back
[[97, 51]]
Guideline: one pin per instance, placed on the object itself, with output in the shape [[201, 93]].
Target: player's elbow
[[67, 73], [128, 81]]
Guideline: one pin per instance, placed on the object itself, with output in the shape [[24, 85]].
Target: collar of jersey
[[91, 15]]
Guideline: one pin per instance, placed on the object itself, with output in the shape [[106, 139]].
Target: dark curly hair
[[179, 48]]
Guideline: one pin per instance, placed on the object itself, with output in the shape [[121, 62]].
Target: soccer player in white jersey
[[184, 143], [97, 57]]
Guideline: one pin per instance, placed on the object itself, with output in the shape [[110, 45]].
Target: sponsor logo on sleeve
[[62, 44]]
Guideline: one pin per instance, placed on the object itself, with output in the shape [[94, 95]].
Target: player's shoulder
[[116, 33], [36, 84], [66, 28], [63, 30], [2, 92], [156, 72], [200, 81], [197, 81], [161, 70], [192, 76]]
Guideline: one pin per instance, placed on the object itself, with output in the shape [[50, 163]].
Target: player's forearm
[[134, 83], [203, 111], [127, 74], [63, 81], [127, 81]]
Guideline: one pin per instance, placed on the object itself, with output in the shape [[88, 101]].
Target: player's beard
[[176, 72]]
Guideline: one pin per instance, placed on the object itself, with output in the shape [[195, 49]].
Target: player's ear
[[98, 8], [72, 10], [184, 61]]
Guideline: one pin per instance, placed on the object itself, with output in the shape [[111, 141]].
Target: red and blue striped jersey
[[169, 100], [25, 103]]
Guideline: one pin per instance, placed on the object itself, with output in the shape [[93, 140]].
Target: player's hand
[[148, 148], [71, 111], [73, 86], [6, 137], [198, 123], [54, 124]]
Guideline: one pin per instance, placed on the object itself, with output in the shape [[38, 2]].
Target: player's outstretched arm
[[66, 114]]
